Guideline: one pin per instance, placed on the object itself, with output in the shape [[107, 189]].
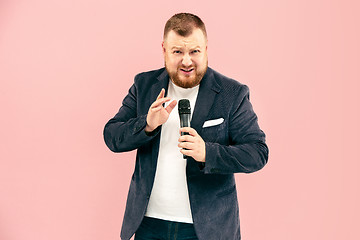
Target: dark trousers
[[158, 229]]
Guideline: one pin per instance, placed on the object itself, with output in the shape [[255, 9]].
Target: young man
[[193, 197]]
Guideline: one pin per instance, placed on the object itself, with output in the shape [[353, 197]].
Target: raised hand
[[157, 114]]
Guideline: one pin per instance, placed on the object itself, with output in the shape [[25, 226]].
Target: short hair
[[183, 24]]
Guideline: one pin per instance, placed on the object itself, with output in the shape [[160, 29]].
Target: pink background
[[65, 67]]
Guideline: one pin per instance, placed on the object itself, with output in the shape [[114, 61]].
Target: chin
[[185, 82]]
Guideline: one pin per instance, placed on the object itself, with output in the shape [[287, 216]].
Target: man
[[172, 197]]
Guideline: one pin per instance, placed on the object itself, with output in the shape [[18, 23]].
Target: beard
[[186, 82]]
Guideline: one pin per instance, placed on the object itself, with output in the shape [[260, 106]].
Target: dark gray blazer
[[235, 145]]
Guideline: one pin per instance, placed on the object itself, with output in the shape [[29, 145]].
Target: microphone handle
[[184, 122]]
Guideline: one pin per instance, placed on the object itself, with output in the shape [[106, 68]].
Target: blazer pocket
[[215, 133], [226, 191], [213, 122]]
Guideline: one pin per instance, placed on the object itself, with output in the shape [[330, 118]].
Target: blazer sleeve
[[126, 130], [247, 151]]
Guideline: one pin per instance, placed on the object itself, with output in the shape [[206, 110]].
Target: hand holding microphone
[[190, 141]]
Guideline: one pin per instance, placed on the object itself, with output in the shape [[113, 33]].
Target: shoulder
[[227, 85], [149, 76]]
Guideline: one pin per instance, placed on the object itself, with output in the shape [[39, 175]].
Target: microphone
[[184, 114]]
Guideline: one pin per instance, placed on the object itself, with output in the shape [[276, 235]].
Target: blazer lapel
[[162, 82], [205, 99], [208, 90]]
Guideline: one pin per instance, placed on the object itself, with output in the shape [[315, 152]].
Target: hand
[[194, 144], [157, 114]]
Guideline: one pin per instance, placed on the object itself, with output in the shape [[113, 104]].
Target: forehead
[[195, 38]]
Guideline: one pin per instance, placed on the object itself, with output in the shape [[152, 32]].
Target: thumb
[[171, 106]]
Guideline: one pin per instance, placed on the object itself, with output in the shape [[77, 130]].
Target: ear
[[162, 45]]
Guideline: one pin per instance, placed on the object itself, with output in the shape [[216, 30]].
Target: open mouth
[[187, 70]]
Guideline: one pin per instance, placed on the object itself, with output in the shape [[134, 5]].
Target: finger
[[190, 130], [161, 94], [187, 145], [159, 102], [192, 153], [156, 109], [186, 138], [171, 106], [187, 152]]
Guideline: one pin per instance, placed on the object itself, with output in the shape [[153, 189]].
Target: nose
[[186, 61]]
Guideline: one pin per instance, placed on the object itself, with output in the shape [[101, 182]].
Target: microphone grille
[[184, 106]]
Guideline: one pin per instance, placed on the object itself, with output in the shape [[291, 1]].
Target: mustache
[[189, 67]]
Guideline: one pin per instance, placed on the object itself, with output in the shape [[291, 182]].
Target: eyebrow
[[177, 47]]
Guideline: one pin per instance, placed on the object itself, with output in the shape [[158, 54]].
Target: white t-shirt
[[169, 199]]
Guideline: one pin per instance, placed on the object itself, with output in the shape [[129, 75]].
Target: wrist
[[149, 129], [150, 132]]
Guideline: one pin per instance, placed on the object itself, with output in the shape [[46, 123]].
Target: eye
[[176, 52], [196, 51]]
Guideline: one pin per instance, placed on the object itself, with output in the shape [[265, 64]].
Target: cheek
[[203, 61], [199, 60], [174, 62]]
